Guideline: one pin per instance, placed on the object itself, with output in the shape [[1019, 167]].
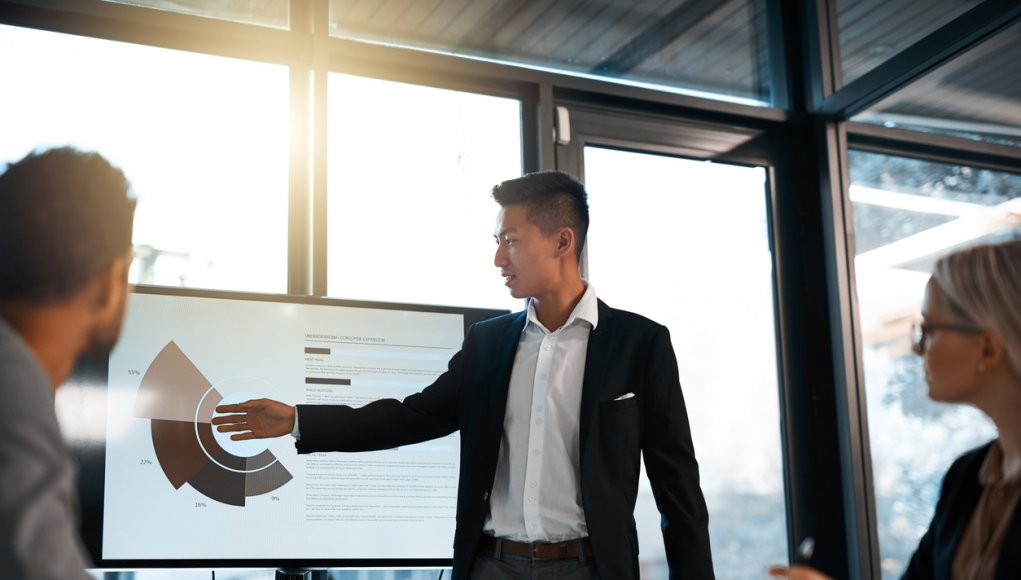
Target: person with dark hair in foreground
[[555, 404], [65, 249], [970, 340]]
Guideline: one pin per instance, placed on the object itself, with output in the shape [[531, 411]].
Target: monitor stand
[[301, 574]]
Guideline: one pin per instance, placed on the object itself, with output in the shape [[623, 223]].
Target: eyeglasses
[[921, 331]]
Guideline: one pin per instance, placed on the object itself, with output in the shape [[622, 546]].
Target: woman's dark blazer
[[957, 500]]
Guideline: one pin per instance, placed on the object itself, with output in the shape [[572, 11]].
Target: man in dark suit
[[555, 404]]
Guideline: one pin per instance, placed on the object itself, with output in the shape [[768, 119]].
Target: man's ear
[[565, 242], [111, 285]]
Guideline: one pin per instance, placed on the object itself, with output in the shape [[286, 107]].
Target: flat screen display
[[161, 487]]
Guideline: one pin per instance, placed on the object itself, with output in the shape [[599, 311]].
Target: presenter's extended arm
[[256, 419]]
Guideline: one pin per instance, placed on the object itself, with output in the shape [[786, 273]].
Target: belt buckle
[[560, 548]]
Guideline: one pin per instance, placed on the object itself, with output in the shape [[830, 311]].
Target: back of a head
[[65, 215], [984, 283], [554, 199]]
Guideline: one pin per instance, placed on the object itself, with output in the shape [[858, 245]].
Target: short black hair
[[553, 199], [65, 215]]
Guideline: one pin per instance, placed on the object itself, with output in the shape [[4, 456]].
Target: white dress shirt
[[536, 495]]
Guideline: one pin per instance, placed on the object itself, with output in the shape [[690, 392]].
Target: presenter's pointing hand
[[256, 419]]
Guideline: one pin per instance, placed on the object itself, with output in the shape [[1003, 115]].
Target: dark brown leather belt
[[568, 550]]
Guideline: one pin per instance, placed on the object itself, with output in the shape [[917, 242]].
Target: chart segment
[[179, 401]]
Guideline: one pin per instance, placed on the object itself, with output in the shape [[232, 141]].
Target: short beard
[[101, 343], [102, 339]]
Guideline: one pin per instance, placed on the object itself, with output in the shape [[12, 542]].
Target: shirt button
[[485, 496], [533, 485], [531, 498]]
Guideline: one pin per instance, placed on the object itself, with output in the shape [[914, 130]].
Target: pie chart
[[179, 401]]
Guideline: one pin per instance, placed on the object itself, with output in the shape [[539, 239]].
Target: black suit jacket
[[957, 501], [626, 353]]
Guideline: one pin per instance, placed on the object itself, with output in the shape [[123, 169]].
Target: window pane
[[202, 139], [274, 13], [908, 213], [872, 31], [976, 96], [696, 258], [410, 170], [712, 49]]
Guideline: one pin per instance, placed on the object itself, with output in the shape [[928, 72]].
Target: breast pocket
[[620, 432]]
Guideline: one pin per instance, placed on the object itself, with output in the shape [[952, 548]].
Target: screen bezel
[[91, 455]]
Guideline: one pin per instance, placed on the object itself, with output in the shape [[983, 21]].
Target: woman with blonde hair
[[970, 341]]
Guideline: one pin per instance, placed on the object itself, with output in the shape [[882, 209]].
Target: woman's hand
[[797, 573]]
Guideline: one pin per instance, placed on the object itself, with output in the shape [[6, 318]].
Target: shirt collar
[[586, 310], [991, 471]]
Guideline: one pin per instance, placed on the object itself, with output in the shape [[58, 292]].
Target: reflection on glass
[[686, 243], [975, 96], [873, 31], [714, 49], [274, 13], [410, 169], [203, 140], [908, 213]]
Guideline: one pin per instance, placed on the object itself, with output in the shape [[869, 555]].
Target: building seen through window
[[908, 213]]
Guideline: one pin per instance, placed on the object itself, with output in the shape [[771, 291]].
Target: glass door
[[686, 242]]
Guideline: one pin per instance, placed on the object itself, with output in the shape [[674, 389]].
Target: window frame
[[804, 140]]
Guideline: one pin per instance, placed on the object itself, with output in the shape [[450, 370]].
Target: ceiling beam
[[934, 147], [647, 42]]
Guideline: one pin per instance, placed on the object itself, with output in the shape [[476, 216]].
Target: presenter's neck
[[553, 308]]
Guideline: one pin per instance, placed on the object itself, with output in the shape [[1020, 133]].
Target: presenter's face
[[526, 257]]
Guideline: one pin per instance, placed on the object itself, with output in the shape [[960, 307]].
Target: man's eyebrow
[[503, 232]]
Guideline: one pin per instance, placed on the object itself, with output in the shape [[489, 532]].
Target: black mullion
[[320, 61], [954, 38], [300, 216]]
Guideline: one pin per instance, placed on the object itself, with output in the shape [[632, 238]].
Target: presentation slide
[[178, 489]]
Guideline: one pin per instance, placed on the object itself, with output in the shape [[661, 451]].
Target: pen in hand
[[799, 568], [805, 550]]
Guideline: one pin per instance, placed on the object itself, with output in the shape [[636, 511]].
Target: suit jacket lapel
[[597, 361], [503, 363]]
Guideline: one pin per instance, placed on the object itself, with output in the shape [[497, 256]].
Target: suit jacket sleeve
[[672, 468], [387, 423]]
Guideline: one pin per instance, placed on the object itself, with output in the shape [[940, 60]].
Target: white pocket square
[[624, 396]]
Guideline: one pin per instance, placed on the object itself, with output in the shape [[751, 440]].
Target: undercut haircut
[[65, 216], [552, 199]]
